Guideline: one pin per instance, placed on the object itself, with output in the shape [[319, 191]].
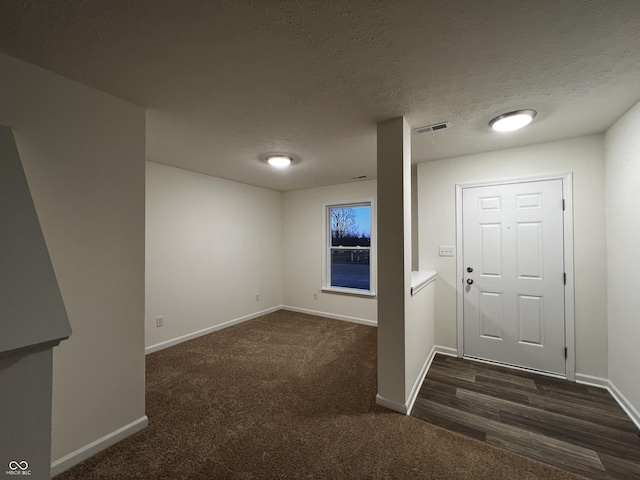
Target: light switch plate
[[447, 251]]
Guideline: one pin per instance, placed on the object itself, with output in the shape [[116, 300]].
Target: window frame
[[327, 247]]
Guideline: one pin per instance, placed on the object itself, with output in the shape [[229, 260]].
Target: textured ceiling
[[226, 82]]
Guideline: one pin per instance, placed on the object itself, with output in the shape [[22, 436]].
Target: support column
[[394, 259]]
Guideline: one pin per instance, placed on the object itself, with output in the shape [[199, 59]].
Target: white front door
[[513, 264]]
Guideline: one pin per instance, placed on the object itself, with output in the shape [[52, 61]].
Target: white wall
[[419, 332], [212, 245], [83, 154], [622, 148], [585, 158], [303, 231]]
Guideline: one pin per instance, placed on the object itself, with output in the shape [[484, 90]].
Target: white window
[[348, 257]]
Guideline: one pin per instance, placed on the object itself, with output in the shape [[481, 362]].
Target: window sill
[[349, 291]]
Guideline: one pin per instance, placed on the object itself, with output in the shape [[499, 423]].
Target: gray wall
[[212, 246], [622, 143], [83, 155]]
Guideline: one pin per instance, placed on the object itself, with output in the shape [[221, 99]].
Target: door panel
[[491, 249], [529, 250], [531, 319], [491, 315], [514, 305]]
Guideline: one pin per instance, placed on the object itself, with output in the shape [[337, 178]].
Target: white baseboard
[[408, 406], [391, 405], [617, 395], [80, 455], [451, 352], [592, 381], [418, 383], [362, 321], [205, 331], [625, 404]]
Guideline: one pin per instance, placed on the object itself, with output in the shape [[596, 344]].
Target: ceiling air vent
[[432, 128]]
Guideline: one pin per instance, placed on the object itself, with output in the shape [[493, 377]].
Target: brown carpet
[[288, 396]]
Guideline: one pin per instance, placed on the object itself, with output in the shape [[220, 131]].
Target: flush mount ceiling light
[[508, 122], [279, 161]]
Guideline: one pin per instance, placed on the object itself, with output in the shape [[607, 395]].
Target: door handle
[[469, 281]]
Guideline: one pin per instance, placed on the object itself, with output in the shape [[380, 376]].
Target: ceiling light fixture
[[279, 161], [508, 122]]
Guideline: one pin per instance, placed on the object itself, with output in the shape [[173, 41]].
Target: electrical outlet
[[315, 295], [160, 321], [257, 297], [446, 252]]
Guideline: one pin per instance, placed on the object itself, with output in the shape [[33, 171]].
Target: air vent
[[432, 128]]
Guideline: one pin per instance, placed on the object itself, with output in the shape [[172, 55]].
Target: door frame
[[569, 299]]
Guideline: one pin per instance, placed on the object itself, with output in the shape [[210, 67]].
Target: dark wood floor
[[571, 426]]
